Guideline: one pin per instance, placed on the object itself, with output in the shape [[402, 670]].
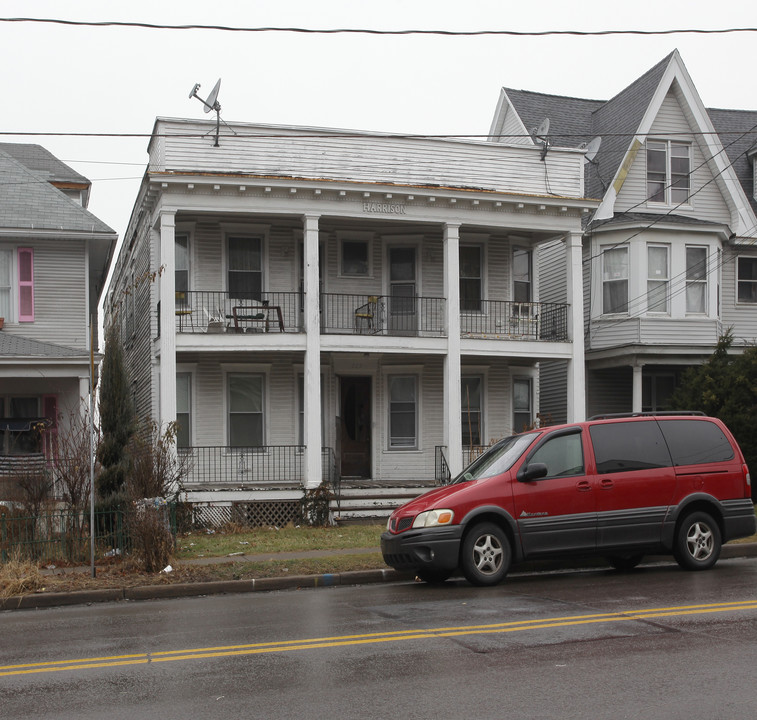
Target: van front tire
[[486, 554]]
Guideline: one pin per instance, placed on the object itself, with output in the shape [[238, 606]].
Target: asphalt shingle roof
[[17, 346], [42, 162], [29, 202]]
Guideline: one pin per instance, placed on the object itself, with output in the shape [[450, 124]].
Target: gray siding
[[609, 391]]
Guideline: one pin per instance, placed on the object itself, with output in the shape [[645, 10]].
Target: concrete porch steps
[[372, 504]]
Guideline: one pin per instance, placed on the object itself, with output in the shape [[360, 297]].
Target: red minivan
[[619, 486]]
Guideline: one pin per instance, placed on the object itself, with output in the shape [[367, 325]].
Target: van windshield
[[497, 459]]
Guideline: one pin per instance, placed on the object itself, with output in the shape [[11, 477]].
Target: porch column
[[453, 431], [636, 386], [167, 295], [312, 422], [576, 363]]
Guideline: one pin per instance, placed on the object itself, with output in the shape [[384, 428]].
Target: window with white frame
[[6, 282], [471, 280], [696, 279], [658, 278], [245, 414], [403, 412], [471, 387], [181, 272], [668, 171], [245, 267], [183, 410], [355, 258], [20, 425], [522, 275], [746, 280], [615, 280], [522, 404]]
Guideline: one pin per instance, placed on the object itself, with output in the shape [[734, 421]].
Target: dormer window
[[668, 172]]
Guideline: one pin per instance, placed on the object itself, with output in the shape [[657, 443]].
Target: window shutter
[[25, 285]]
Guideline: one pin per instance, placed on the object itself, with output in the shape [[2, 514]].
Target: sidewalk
[[357, 577]]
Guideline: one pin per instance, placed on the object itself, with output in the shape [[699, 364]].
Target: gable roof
[[41, 161], [574, 121], [29, 202]]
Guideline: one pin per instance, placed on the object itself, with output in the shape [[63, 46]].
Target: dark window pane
[[694, 442], [354, 257], [621, 447]]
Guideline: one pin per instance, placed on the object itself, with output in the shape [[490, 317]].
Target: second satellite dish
[[591, 148]]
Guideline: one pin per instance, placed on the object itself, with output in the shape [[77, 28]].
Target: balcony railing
[[382, 315], [266, 465], [199, 311], [509, 320]]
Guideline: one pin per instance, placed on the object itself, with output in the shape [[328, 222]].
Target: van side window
[[620, 447], [563, 455], [695, 442]]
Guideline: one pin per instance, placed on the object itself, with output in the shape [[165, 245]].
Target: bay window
[[696, 279], [658, 279], [615, 280]]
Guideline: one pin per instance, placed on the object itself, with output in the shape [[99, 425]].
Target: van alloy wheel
[[698, 542], [486, 554]]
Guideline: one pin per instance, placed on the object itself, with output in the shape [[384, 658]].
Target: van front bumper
[[425, 548]]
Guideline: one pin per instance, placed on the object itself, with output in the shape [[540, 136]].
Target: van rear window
[[622, 447], [695, 442]]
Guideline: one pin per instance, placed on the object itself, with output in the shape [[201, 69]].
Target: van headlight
[[433, 518]]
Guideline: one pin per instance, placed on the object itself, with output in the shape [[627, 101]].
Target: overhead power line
[[369, 31]]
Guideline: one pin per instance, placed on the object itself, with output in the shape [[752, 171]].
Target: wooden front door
[[355, 412]]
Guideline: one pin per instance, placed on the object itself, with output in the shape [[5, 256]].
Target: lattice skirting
[[248, 514]]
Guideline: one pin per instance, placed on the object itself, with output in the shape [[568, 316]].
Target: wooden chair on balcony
[[367, 316]]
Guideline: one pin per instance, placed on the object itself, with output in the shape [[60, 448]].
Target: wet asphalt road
[[658, 642]]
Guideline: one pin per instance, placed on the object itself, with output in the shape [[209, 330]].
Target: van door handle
[[607, 484], [583, 485]]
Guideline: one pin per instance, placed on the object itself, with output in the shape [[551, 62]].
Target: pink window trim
[[25, 285]]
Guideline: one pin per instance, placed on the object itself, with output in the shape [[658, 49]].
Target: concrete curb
[[293, 582]]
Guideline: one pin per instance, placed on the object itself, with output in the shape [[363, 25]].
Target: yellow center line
[[370, 638]]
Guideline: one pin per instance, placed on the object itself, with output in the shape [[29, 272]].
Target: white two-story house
[[54, 259], [669, 256], [316, 305]]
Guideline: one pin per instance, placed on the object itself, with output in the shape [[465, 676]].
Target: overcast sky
[[78, 79]]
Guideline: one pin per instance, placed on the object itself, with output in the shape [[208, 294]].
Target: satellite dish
[[591, 148], [543, 129], [210, 104], [212, 101]]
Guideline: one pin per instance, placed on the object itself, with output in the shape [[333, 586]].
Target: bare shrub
[[149, 528], [19, 577]]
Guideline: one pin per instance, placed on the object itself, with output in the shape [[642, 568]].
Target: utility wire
[[368, 31]]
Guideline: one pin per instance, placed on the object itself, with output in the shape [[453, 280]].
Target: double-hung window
[[747, 280], [17, 283], [183, 410], [245, 272], [696, 279], [245, 410], [615, 280], [668, 171], [471, 282], [471, 409], [658, 279], [403, 412], [522, 405], [521, 275], [355, 258], [181, 273]]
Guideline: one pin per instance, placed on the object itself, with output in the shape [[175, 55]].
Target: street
[[658, 642]]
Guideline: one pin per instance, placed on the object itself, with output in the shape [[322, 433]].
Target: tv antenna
[[541, 134], [210, 104]]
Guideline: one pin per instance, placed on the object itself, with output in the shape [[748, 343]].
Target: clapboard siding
[[707, 202], [552, 272], [60, 294], [653, 331], [609, 391], [363, 157], [553, 391], [742, 317]]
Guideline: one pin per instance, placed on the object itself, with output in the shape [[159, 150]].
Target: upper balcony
[[378, 315]]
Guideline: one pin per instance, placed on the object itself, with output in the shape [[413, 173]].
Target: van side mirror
[[534, 471]]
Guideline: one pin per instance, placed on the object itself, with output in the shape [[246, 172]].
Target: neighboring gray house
[[54, 258], [318, 304], [669, 256]]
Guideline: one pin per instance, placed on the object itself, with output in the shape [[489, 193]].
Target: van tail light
[[747, 478]]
